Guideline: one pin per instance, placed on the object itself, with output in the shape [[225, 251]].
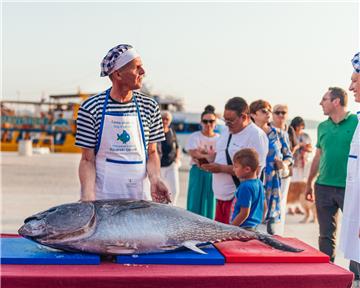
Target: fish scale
[[131, 227]]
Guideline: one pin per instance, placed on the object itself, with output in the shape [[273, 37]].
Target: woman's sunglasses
[[280, 112], [205, 121], [265, 111]]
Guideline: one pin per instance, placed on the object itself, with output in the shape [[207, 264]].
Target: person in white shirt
[[241, 133], [201, 147], [350, 227]]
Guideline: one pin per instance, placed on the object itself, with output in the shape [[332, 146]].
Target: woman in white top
[[301, 151], [201, 147]]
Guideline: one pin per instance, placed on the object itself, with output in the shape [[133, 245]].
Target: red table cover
[[295, 275]]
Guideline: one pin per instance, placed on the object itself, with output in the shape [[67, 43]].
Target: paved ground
[[32, 184]]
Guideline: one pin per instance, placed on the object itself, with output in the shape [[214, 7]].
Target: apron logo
[[123, 137]]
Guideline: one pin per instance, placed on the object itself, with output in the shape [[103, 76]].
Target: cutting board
[[24, 251], [181, 257], [257, 252]]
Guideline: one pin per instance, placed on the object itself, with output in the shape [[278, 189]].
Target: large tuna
[[131, 227]]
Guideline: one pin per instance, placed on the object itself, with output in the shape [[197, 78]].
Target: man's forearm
[[314, 169], [153, 165], [87, 175], [229, 169]]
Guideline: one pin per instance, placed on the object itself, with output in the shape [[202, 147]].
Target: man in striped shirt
[[118, 131]]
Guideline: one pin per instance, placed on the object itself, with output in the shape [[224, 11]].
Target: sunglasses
[[264, 110], [205, 121], [280, 112]]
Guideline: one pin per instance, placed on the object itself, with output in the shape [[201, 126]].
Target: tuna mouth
[[35, 226], [33, 229]]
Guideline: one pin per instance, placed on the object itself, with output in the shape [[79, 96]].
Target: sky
[[203, 52]]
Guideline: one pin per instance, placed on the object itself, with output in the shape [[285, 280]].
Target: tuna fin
[[192, 246]]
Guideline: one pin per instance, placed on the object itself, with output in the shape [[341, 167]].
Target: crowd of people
[[240, 177]]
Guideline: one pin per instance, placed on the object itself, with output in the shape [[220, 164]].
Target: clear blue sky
[[204, 53]]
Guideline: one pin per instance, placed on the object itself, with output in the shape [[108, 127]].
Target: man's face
[[234, 122], [131, 74], [355, 86], [327, 104]]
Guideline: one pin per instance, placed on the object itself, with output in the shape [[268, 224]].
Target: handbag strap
[[229, 162]]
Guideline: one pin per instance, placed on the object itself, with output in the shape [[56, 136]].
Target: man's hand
[[159, 191], [310, 196], [212, 167], [312, 175]]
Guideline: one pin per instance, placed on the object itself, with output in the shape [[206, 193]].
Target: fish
[[125, 226]]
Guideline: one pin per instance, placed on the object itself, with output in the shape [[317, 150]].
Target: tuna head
[[60, 224]]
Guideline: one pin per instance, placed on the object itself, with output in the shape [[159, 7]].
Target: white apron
[[350, 241], [121, 156]]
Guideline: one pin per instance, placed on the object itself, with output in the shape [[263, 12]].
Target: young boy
[[248, 204]]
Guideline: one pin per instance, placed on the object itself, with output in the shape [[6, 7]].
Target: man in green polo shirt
[[330, 165]]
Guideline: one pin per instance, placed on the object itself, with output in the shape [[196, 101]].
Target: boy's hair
[[247, 157]]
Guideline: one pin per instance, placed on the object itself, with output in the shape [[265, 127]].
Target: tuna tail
[[272, 242]]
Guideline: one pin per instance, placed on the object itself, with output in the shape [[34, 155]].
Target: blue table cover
[[24, 251], [179, 257]]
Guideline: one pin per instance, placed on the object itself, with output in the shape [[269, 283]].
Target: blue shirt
[[250, 194]]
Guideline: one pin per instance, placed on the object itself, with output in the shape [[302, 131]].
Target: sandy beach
[[35, 183]]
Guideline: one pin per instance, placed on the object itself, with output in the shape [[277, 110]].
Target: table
[[232, 275]]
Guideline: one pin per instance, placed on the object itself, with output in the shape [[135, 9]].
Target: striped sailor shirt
[[90, 112]]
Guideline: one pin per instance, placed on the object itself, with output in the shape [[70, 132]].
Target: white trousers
[[170, 175], [280, 226]]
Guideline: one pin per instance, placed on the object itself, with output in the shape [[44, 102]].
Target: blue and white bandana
[[356, 62], [116, 58]]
